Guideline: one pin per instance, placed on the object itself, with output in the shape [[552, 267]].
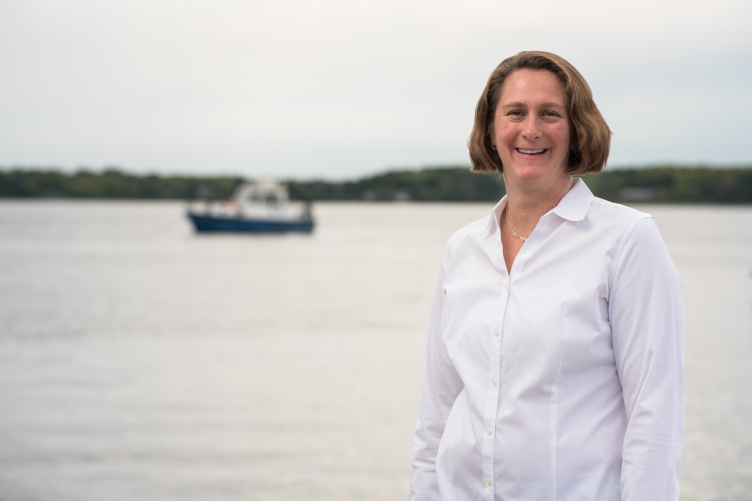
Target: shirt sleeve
[[647, 321], [441, 385]]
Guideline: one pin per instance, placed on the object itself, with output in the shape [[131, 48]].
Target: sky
[[340, 89]]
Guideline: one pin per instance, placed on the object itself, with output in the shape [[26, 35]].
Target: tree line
[[655, 184]]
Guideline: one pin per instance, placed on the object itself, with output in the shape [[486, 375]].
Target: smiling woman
[[554, 356], [530, 130], [589, 133]]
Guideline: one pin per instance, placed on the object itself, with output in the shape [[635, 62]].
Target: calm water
[[139, 361]]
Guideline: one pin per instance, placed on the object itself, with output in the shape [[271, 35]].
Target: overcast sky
[[345, 88]]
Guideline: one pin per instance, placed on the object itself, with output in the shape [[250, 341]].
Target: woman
[[554, 362]]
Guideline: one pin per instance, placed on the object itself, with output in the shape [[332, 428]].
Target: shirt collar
[[573, 207], [575, 204], [492, 227]]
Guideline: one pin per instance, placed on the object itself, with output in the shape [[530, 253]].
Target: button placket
[[492, 398]]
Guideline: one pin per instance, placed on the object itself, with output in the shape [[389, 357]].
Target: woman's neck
[[525, 207]]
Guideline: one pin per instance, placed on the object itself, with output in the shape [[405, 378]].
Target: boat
[[262, 207]]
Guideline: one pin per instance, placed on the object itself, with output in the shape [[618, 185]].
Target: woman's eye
[[515, 113], [550, 114]]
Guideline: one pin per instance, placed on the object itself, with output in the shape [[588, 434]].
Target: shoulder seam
[[622, 244]]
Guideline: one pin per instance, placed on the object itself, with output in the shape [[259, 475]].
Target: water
[[141, 361]]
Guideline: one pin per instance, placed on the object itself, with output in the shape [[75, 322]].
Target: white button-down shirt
[[563, 379]]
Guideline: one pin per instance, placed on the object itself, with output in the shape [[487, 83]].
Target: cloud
[[337, 88]]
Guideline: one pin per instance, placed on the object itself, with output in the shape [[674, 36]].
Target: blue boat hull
[[206, 223]]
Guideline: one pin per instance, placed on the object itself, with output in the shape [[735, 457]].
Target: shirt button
[[494, 381], [489, 431], [497, 333], [489, 481]]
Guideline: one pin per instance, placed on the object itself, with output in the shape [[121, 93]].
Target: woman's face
[[531, 130]]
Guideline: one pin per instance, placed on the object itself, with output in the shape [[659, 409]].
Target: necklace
[[514, 233]]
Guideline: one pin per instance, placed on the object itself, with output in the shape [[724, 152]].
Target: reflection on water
[[141, 361]]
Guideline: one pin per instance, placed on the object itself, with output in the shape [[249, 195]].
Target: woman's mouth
[[530, 152]]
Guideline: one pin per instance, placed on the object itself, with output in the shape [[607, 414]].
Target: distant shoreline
[[653, 184]]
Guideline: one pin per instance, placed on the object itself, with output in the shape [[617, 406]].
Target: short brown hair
[[590, 135]]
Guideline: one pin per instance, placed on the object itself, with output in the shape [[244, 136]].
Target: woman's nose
[[531, 128]]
